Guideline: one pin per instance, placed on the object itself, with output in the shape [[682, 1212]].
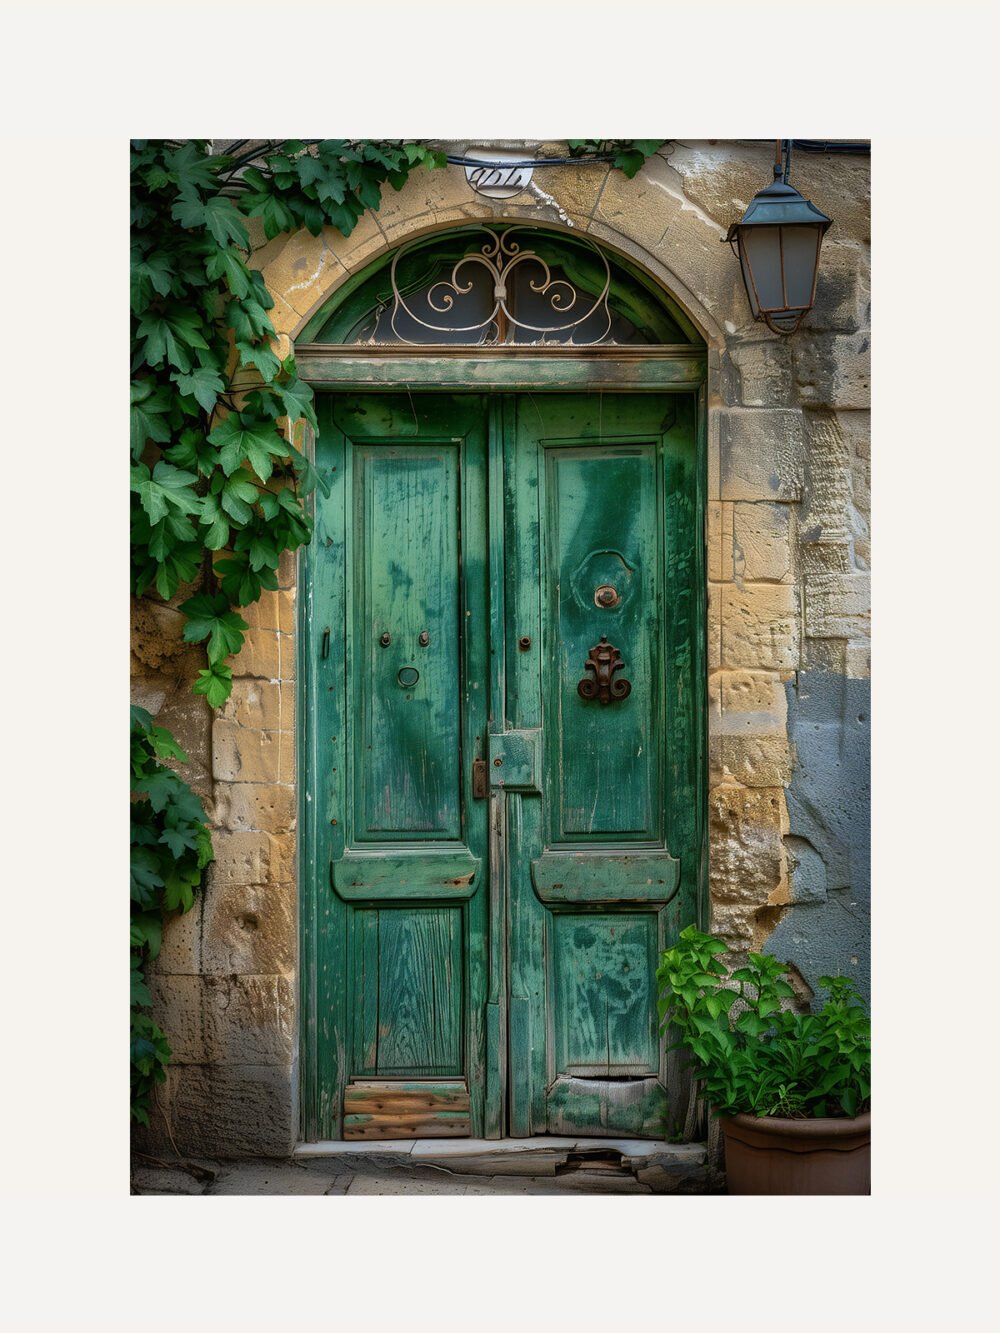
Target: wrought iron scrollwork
[[604, 660], [500, 255]]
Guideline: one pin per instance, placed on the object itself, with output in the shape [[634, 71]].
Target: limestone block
[[763, 371], [303, 270], [261, 654], [177, 1008], [274, 611], [180, 948], [244, 754], [365, 242], [281, 857], [249, 928], [746, 853], [714, 646], [761, 454], [761, 535], [245, 806], [232, 1110], [755, 761], [254, 703], [760, 626], [431, 191], [838, 606], [834, 370], [240, 858], [288, 564], [248, 1020], [751, 703], [843, 288], [719, 538]]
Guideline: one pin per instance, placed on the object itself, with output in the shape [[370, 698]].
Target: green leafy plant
[[627, 155], [753, 1053], [170, 848]]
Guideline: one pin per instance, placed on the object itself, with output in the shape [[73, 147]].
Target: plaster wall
[[787, 530]]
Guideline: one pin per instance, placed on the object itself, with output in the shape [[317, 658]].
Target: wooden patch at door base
[[385, 1110]]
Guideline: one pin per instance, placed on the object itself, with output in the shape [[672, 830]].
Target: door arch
[[465, 911]]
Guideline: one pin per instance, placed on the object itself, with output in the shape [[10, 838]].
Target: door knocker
[[604, 660]]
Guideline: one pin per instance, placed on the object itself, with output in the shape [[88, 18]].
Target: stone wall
[[788, 553]]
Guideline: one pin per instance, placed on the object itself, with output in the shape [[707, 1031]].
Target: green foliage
[[170, 848], [627, 155], [218, 487], [753, 1053]]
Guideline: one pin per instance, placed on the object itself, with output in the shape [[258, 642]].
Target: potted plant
[[792, 1090]]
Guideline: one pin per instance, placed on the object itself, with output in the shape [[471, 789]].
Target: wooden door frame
[[498, 370]]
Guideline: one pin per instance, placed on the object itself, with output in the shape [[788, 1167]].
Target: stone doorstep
[[544, 1156]]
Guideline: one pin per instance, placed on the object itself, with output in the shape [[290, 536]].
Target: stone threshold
[[541, 1156]]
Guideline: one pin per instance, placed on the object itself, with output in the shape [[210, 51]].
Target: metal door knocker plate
[[407, 676], [604, 660]]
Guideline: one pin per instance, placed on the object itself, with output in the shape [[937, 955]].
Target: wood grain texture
[[388, 1110]]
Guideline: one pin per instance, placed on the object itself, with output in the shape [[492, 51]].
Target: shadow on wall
[[827, 929]]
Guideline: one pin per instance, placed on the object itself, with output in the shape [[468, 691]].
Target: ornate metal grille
[[497, 292]]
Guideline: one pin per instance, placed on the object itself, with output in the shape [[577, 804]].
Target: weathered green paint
[[542, 370], [486, 521], [602, 490], [397, 940], [583, 876]]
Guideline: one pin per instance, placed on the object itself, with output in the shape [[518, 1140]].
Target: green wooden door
[[603, 837], [483, 945]]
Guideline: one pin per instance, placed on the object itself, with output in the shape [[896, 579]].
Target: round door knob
[[606, 596]]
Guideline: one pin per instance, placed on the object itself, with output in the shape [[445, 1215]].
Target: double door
[[502, 761]]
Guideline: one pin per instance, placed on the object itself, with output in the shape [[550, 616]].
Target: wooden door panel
[[401, 716], [605, 759], [407, 749]]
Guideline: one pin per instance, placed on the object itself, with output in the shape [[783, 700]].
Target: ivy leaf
[[297, 401], [249, 319], [203, 383], [240, 441], [165, 745], [216, 533], [219, 214], [164, 487], [209, 617], [147, 931], [215, 684], [260, 356], [152, 273], [167, 338], [149, 408], [179, 840], [191, 167], [238, 494], [227, 263], [138, 990]]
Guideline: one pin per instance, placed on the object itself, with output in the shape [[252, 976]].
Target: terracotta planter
[[770, 1155]]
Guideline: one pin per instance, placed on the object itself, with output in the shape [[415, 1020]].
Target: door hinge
[[479, 779]]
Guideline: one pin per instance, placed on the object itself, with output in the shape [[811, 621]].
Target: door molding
[[679, 368]]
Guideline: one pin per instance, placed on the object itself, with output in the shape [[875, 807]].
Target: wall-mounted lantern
[[777, 241]]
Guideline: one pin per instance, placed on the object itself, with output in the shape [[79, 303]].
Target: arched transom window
[[506, 284]]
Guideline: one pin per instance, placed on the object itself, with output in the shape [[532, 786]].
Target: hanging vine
[[218, 483]]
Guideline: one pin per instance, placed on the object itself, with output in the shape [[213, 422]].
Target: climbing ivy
[[627, 155], [218, 480]]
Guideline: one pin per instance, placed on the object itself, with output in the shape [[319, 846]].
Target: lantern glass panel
[[763, 257], [800, 246]]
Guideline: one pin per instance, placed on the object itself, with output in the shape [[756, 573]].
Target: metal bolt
[[424, 639], [497, 762], [524, 643], [386, 639]]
